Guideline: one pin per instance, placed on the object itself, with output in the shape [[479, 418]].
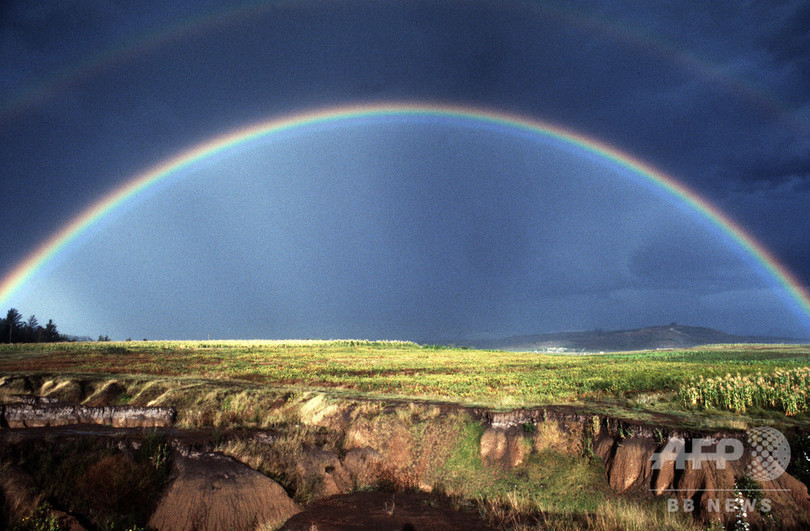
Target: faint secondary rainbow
[[205, 21], [31, 265]]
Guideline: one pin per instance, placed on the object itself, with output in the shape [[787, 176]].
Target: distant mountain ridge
[[648, 338]]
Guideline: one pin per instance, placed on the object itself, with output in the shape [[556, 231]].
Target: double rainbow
[[56, 243]]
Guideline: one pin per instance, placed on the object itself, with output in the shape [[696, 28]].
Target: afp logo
[[770, 453], [768, 448]]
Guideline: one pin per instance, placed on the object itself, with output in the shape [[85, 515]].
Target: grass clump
[[42, 519]]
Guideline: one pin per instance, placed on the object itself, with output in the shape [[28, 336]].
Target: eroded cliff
[[294, 450]]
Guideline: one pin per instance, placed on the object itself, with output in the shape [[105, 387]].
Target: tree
[[33, 332], [51, 334], [14, 325]]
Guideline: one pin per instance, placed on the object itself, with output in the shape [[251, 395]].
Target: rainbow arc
[[483, 117]]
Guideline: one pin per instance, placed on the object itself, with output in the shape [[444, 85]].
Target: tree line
[[15, 329]]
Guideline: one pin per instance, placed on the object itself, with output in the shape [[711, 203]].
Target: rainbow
[[31, 265]]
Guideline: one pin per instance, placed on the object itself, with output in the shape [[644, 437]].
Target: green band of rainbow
[[29, 267]]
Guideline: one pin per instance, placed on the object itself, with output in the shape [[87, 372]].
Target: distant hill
[[652, 337]]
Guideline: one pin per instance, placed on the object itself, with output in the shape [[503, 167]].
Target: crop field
[[786, 390], [710, 379]]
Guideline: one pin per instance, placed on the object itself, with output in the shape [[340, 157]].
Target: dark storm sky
[[415, 229]]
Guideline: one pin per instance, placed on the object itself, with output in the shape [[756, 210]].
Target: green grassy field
[[642, 385]]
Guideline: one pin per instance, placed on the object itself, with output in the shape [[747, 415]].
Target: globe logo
[[770, 453]]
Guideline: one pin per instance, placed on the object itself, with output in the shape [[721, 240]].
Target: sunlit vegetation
[[785, 390], [392, 369]]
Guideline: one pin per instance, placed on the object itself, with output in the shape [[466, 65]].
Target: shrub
[[112, 488]]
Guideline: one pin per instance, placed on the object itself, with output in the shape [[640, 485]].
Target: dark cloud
[[787, 38], [480, 231]]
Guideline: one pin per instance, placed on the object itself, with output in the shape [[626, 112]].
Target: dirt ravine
[[317, 461], [211, 491], [374, 511]]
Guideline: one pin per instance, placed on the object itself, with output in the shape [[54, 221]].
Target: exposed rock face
[[493, 445], [503, 447], [403, 445], [709, 491], [39, 413], [518, 417], [627, 462], [385, 448], [326, 471], [213, 492]]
